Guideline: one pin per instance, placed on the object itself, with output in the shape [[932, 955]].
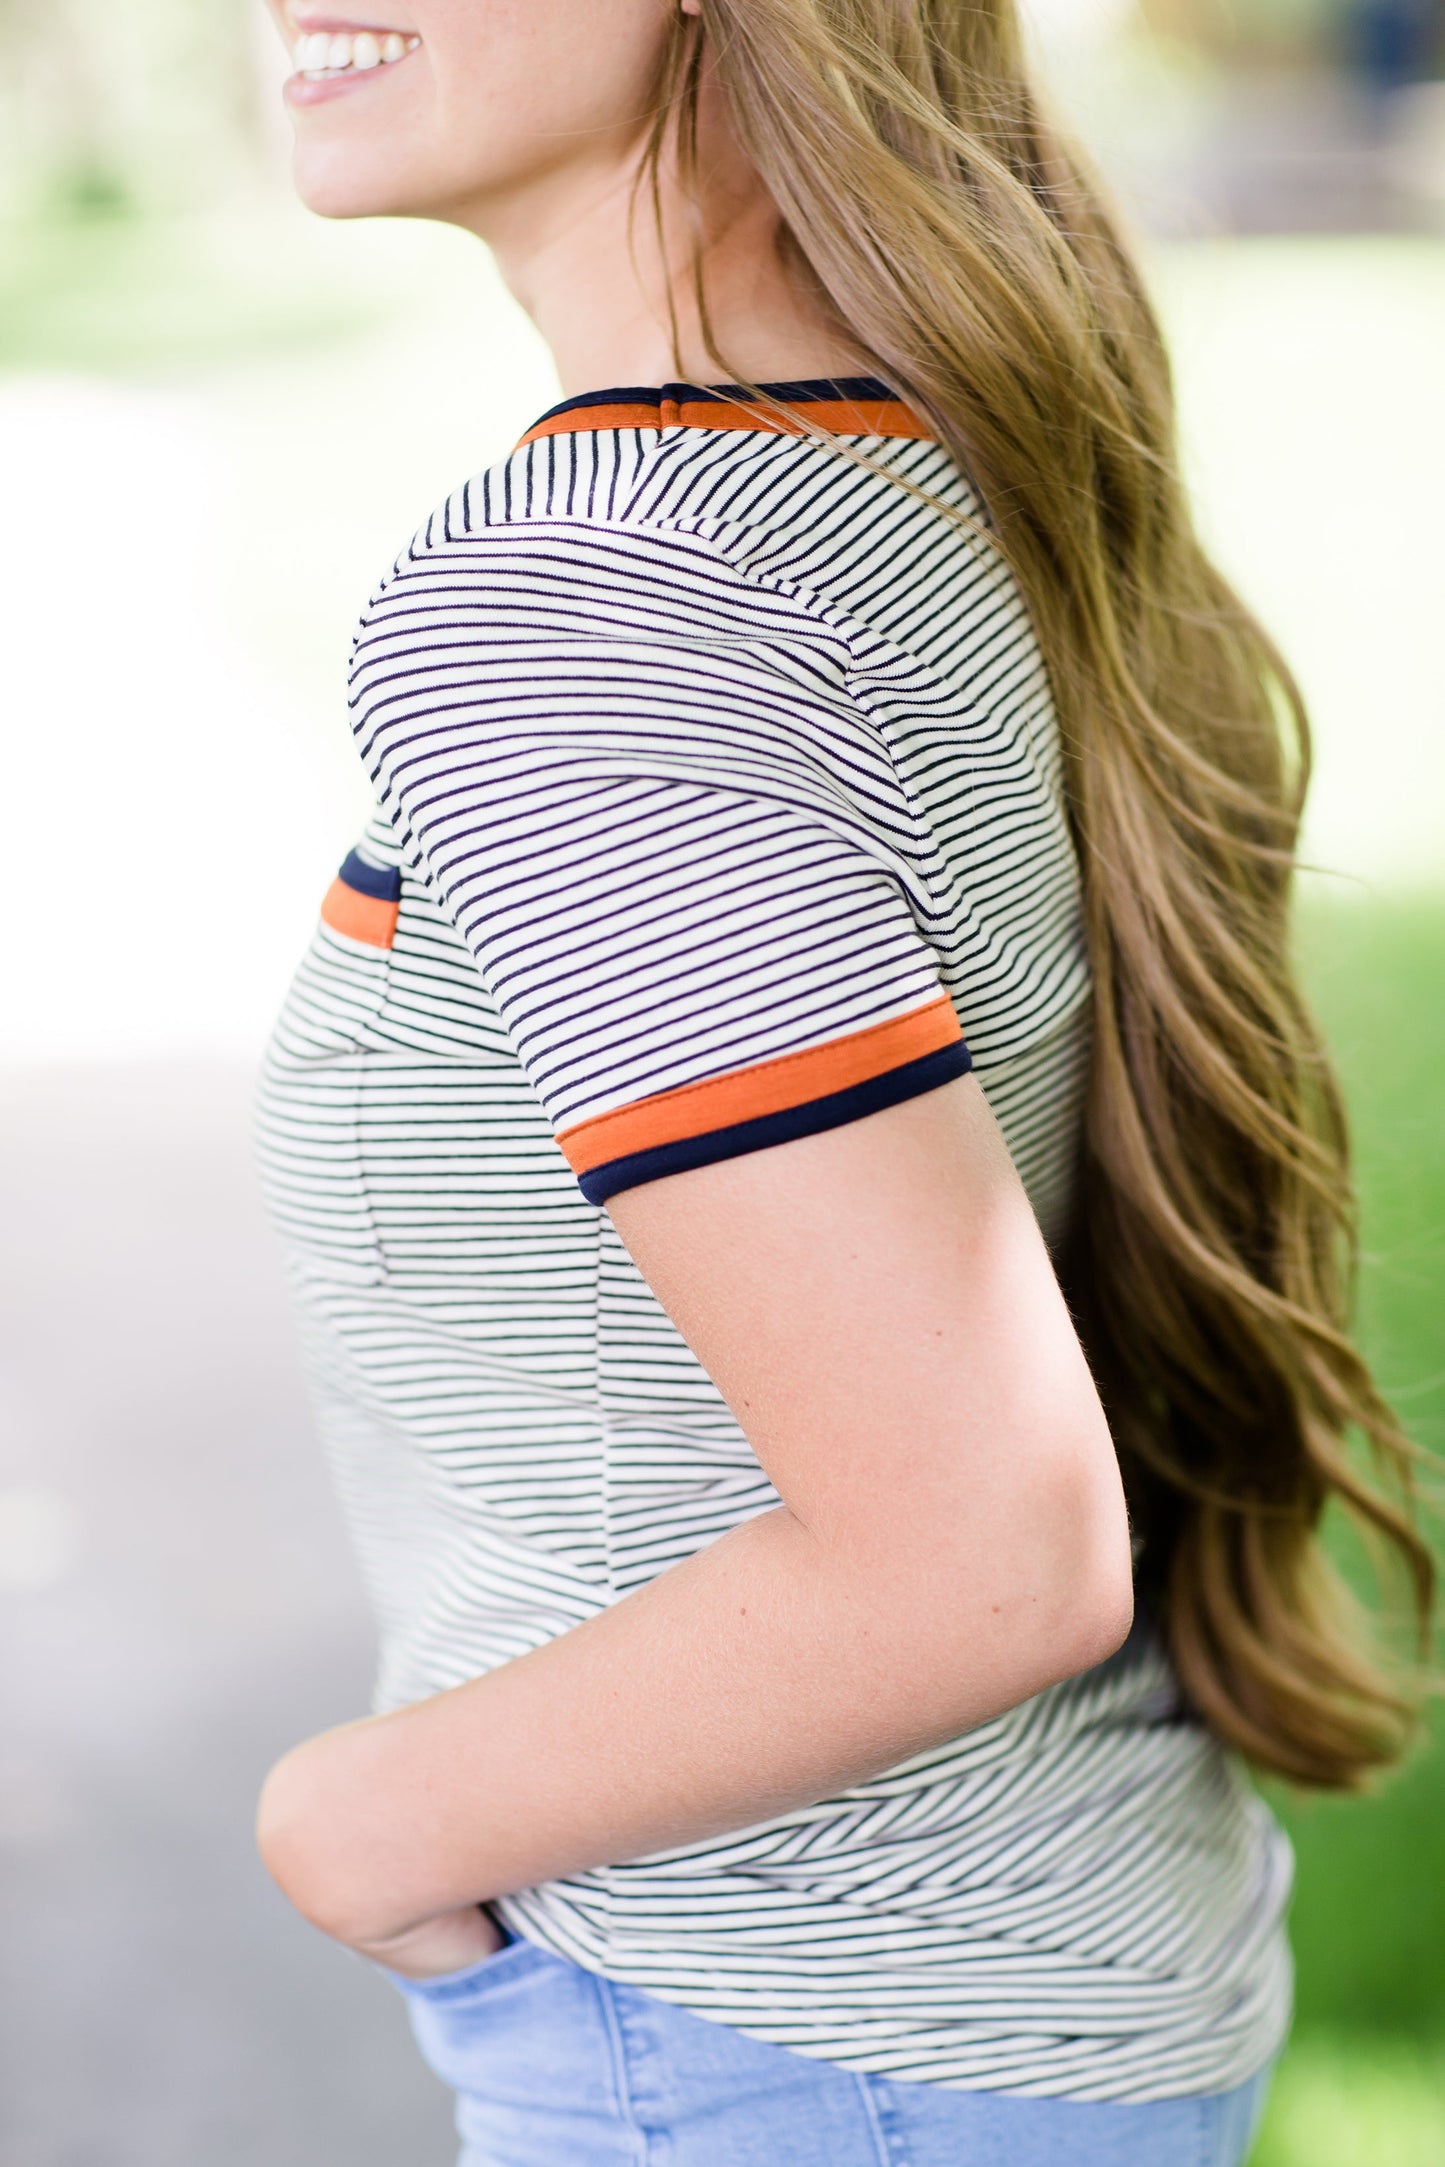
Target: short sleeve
[[677, 851]]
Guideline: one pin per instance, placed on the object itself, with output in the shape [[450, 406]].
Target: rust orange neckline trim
[[848, 406]]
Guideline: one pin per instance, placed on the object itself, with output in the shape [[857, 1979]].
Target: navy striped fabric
[[724, 792]]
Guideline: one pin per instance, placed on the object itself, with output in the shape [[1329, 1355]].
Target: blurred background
[[218, 421]]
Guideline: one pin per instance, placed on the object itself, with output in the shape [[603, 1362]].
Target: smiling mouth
[[319, 56]]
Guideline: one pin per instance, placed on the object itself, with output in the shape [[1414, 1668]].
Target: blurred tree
[[107, 104], [1387, 43], [1253, 29]]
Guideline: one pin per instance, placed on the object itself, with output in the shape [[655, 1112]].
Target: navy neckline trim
[[797, 392]]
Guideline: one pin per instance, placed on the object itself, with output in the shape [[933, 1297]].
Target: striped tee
[[719, 802]]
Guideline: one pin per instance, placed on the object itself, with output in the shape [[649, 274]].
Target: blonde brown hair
[[964, 245]]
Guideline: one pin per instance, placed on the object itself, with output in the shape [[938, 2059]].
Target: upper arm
[[877, 1305]]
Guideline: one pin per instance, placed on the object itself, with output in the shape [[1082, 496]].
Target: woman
[[828, 889]]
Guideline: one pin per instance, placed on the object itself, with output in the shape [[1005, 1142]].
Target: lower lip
[[320, 89]]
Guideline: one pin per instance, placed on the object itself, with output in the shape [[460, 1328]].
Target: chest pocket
[[309, 1104]]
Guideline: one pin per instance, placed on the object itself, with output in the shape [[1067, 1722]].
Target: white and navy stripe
[[721, 802]]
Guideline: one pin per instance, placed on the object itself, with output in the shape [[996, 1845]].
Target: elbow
[[1077, 1616], [1086, 1608], [293, 1842], [1047, 1593], [1101, 1616], [334, 1842], [283, 1833], [989, 1608], [1058, 1583]]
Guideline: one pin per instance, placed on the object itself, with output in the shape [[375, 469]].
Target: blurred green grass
[[1348, 2101], [125, 295], [1363, 2083]]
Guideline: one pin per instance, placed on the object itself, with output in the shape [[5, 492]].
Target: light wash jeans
[[555, 2067]]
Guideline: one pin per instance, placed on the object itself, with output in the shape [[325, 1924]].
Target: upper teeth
[[327, 51]]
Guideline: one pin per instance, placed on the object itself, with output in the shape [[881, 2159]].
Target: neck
[[580, 251]]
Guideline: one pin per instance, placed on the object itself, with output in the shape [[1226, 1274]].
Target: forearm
[[766, 1672]]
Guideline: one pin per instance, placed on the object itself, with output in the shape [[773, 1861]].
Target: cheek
[[498, 92], [528, 85], [376, 148]]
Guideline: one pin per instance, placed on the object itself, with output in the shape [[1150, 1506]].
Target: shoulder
[[549, 621], [584, 537], [795, 561]]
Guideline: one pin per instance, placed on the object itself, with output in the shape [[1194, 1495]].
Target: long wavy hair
[[960, 240]]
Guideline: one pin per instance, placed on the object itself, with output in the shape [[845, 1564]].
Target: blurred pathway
[[176, 1607]]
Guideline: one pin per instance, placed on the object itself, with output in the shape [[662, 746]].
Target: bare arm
[[878, 1307]]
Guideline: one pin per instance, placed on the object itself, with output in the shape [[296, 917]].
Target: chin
[[334, 182]]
